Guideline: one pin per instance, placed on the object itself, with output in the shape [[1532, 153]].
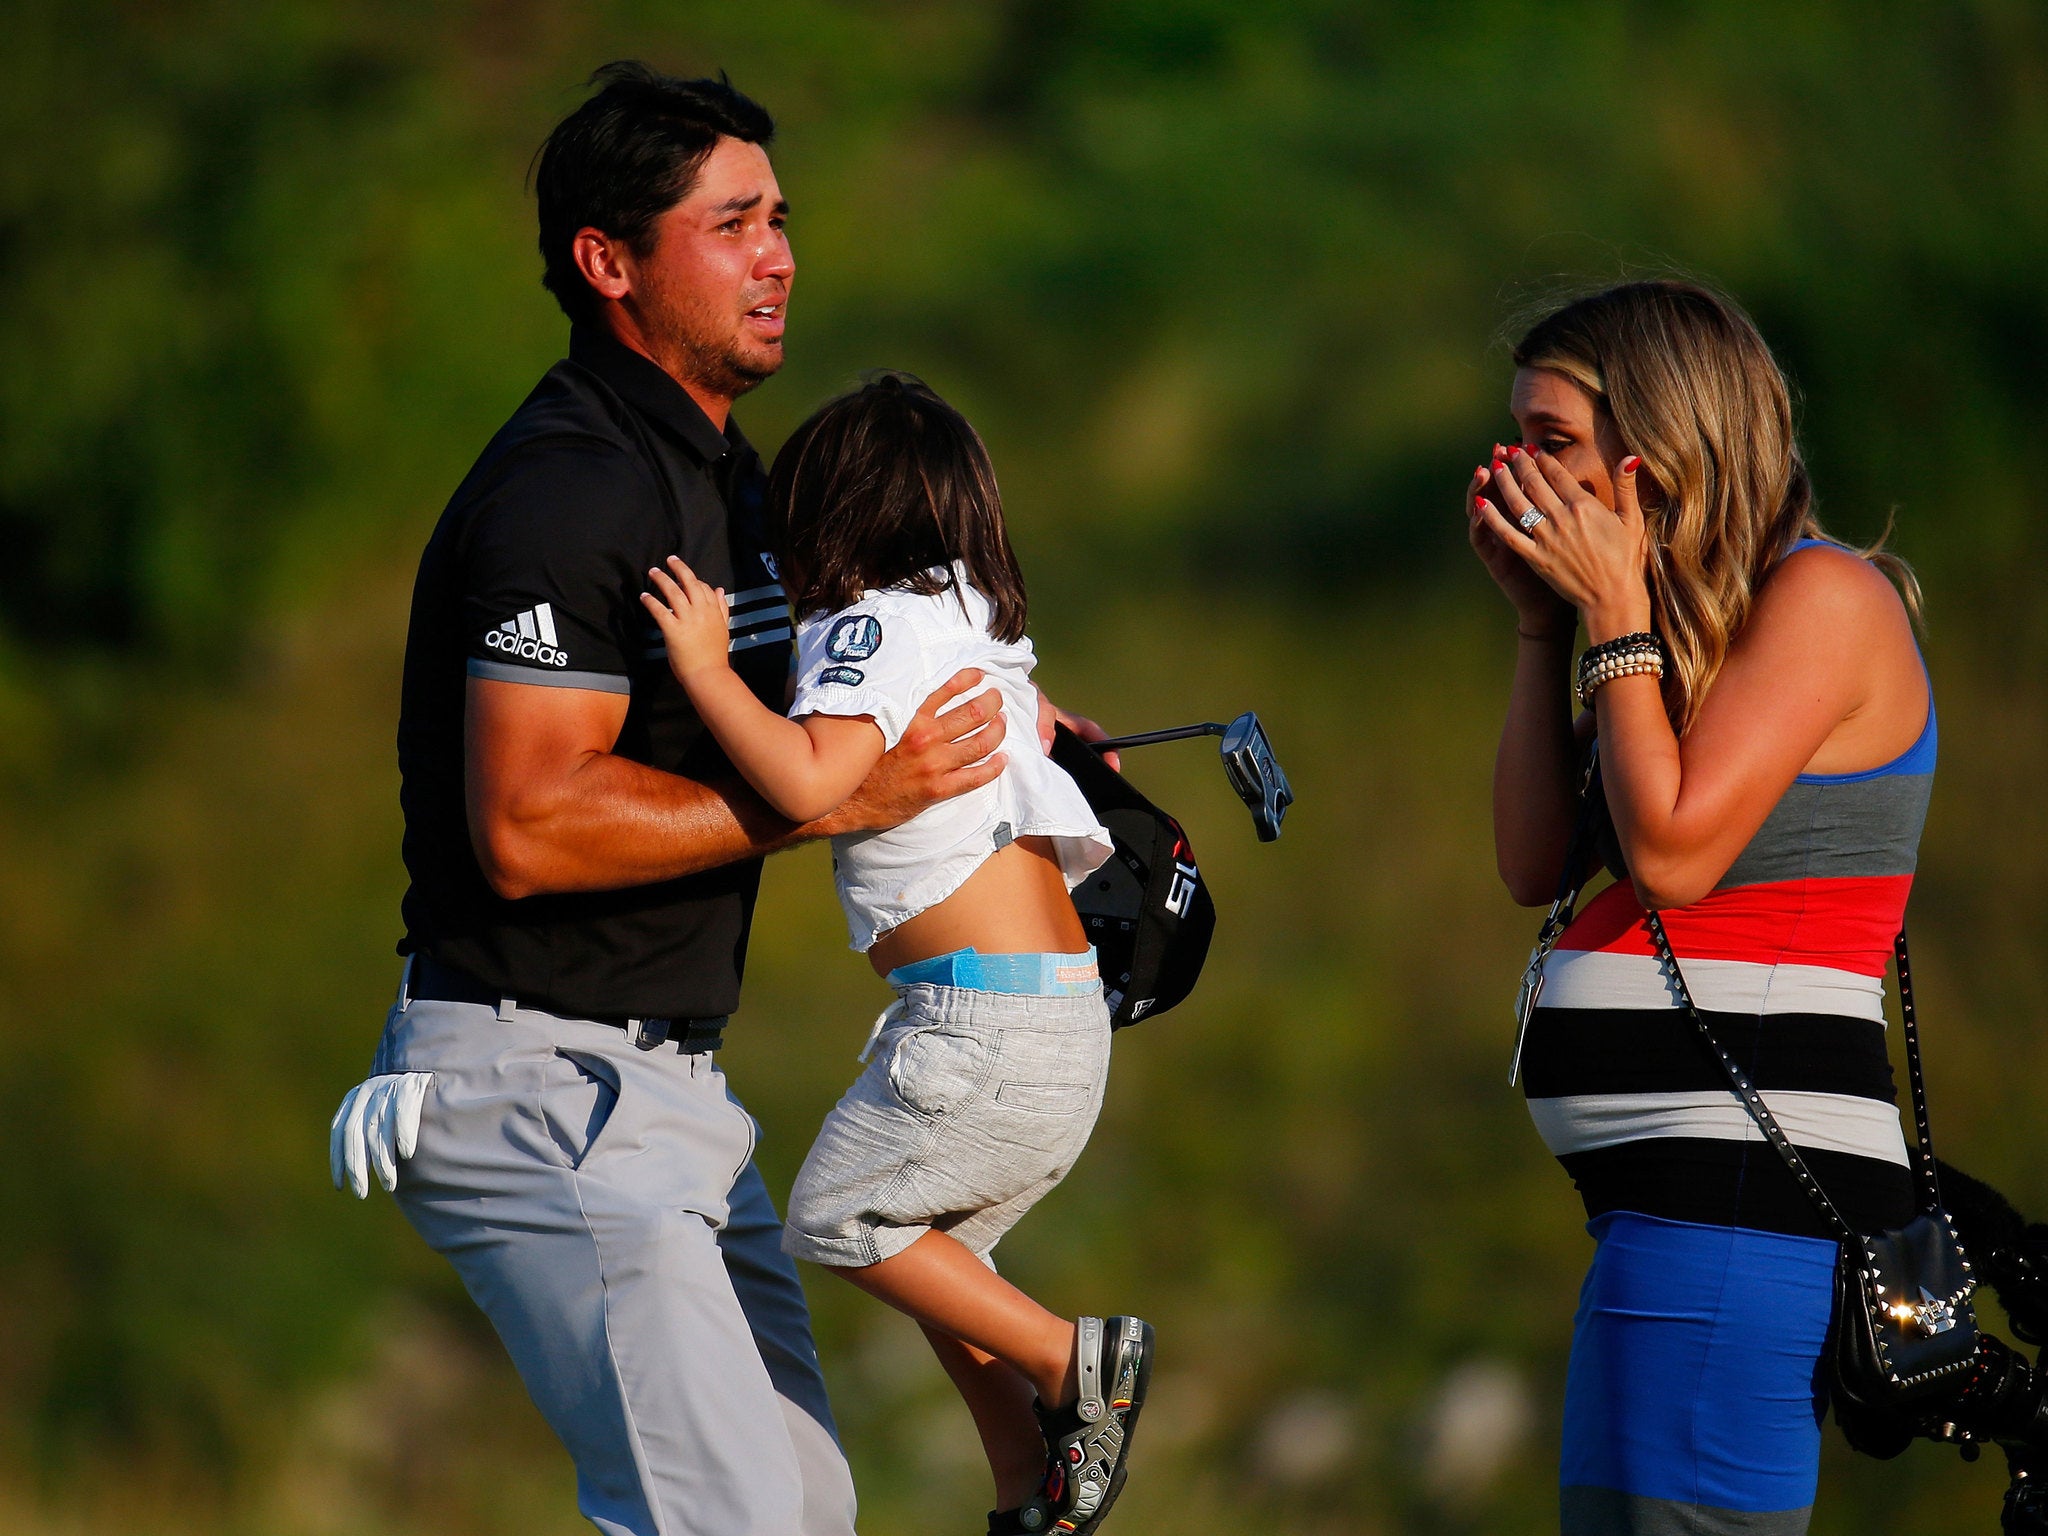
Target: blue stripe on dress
[[1696, 1370]]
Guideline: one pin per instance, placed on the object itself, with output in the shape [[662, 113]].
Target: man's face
[[710, 293]]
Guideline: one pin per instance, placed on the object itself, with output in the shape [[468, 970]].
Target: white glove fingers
[[382, 1133], [337, 1138], [376, 1128], [354, 1153], [412, 1097]]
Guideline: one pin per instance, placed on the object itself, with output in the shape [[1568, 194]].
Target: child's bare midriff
[[1016, 903]]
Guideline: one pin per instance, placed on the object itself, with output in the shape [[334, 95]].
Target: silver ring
[[1528, 520]]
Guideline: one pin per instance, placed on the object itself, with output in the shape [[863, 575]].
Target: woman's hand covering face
[[1589, 548], [1538, 609], [1591, 555]]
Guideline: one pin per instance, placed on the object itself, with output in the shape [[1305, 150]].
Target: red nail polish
[[1478, 503], [1513, 450], [1631, 464], [1498, 466]]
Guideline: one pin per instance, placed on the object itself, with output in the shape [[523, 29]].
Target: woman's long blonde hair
[[1692, 388]]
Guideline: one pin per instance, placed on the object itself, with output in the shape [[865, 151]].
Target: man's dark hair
[[624, 158], [886, 487]]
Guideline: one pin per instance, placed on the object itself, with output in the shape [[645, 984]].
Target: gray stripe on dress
[[1609, 1512], [1837, 831]]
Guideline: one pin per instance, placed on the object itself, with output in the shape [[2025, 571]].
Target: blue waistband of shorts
[[1029, 975]]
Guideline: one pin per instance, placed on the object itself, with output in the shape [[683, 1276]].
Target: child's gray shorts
[[972, 1107]]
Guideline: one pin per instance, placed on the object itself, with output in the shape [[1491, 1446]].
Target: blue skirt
[[1696, 1392]]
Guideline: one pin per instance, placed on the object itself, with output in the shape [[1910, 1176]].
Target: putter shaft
[[1147, 738]]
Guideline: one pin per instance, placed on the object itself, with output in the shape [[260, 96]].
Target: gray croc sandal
[[1089, 1442]]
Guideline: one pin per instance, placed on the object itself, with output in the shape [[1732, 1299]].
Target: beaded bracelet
[[1631, 656], [1645, 663], [1595, 654]]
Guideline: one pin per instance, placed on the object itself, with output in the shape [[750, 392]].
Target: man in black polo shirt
[[584, 861]]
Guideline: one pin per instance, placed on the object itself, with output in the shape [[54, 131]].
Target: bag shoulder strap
[[1774, 1133], [1571, 879], [1930, 1177]]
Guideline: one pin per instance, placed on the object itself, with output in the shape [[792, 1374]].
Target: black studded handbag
[[1905, 1329]]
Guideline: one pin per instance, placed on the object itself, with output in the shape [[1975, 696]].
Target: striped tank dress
[[1693, 1400]]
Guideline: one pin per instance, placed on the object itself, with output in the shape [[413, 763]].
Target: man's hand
[[939, 756], [1050, 714]]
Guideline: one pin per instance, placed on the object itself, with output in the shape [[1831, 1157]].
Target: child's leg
[[941, 1284], [1000, 1400]]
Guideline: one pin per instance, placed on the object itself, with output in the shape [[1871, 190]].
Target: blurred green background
[[1223, 283]]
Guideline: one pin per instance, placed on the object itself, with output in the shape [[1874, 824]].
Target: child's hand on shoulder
[[693, 618]]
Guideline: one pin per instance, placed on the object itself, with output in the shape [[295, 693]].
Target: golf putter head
[[1256, 774]]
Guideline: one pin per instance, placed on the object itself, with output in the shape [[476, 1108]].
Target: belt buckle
[[646, 1034]]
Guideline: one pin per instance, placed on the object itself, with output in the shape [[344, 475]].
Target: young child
[[985, 1076]]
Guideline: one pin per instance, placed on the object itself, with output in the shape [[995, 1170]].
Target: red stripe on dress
[[1847, 924]]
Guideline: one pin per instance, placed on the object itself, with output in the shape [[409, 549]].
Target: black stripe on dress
[[1738, 1184], [1657, 1050]]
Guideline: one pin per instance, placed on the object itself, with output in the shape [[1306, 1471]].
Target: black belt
[[435, 981]]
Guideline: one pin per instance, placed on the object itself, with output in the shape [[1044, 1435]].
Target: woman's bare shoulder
[[1827, 590]]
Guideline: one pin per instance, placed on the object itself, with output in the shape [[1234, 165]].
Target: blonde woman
[[1766, 743]]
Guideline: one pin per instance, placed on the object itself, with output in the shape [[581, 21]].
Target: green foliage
[[1221, 284], [268, 277]]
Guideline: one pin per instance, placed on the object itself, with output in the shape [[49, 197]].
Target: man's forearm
[[551, 812], [615, 823]]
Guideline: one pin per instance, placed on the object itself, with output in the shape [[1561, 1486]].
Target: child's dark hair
[[887, 486]]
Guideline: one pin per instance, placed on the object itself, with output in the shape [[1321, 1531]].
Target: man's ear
[[605, 263]]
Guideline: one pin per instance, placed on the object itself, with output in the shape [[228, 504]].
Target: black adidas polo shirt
[[533, 576]]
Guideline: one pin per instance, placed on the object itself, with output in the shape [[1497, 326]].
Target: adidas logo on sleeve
[[531, 637]]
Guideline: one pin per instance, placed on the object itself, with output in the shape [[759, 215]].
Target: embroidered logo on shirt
[[531, 637], [854, 638], [851, 677]]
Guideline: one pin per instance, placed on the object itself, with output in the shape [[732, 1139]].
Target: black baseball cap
[[1147, 910]]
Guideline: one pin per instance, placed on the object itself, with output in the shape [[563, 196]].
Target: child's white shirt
[[883, 657]]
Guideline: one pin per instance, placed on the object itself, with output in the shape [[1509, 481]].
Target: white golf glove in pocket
[[377, 1126]]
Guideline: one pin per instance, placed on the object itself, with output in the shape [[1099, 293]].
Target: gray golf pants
[[601, 1204]]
